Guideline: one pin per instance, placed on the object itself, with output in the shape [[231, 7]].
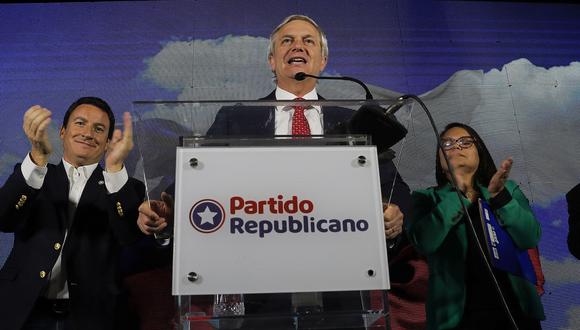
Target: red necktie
[[299, 123]]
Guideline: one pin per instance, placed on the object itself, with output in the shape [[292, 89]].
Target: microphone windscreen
[[384, 129], [300, 76]]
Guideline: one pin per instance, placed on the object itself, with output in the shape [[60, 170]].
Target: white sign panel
[[266, 219]]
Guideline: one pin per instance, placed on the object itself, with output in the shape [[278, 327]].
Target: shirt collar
[[86, 170], [283, 95]]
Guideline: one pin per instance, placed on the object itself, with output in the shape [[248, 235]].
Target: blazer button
[[21, 202], [119, 209], [57, 246], [42, 274]]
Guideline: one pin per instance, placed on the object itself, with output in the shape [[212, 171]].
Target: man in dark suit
[[296, 45], [69, 222], [573, 199]]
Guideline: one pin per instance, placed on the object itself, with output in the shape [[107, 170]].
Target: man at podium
[[296, 45]]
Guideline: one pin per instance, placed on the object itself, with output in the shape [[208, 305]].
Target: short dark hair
[[486, 168], [94, 101]]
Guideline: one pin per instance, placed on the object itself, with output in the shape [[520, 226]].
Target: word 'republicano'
[[298, 220]]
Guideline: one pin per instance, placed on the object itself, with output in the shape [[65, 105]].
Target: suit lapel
[[93, 188], [327, 120], [269, 119], [82, 224], [332, 118], [56, 185]]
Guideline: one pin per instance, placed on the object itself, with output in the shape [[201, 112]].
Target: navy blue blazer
[[38, 218]]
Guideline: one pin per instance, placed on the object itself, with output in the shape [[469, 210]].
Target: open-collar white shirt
[[34, 176]]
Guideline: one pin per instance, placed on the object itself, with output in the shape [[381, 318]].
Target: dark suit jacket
[[259, 121], [38, 219], [573, 198]]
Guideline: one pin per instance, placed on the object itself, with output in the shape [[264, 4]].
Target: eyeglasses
[[463, 142]]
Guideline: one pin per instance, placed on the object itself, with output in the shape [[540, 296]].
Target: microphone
[[380, 124], [384, 128], [301, 76]]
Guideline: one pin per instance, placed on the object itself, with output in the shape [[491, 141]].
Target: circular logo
[[207, 216]]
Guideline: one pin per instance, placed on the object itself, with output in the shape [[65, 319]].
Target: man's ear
[[323, 64], [62, 131], [272, 63]]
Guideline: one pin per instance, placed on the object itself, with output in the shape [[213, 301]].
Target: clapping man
[[69, 222]]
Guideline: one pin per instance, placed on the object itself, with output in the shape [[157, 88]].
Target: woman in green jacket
[[461, 292]]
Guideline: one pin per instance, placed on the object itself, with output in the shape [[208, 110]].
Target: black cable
[[395, 107], [302, 75]]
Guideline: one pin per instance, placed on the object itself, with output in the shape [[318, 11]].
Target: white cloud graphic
[[226, 68], [573, 318], [561, 271]]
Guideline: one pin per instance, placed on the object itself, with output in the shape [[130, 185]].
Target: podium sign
[[278, 219]]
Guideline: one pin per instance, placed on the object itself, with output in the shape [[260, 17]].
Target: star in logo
[[207, 216]]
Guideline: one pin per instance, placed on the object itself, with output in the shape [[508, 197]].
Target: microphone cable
[[301, 76]]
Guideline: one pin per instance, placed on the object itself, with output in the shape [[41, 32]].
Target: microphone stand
[[301, 76], [391, 110]]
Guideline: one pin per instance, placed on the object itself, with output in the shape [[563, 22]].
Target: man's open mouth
[[296, 60]]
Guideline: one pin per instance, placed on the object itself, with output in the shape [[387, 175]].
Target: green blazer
[[438, 231]]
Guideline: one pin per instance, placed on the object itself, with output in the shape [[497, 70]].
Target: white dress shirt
[[283, 115]]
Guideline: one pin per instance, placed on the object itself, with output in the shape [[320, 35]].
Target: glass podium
[[270, 232]]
